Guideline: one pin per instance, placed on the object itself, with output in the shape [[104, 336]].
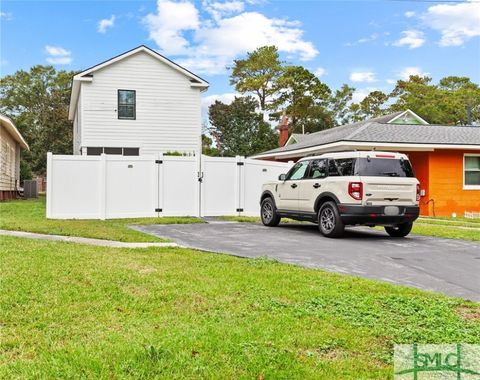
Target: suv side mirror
[[282, 177]]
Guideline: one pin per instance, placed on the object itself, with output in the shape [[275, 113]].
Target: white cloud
[[105, 24], [227, 32], [370, 38], [320, 72], [360, 94], [207, 101], [218, 9], [409, 14], [412, 70], [456, 22], [7, 16], [362, 76], [411, 38], [391, 81], [57, 55]]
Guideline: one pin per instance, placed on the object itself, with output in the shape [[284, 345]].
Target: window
[[113, 151], [131, 151], [298, 171], [345, 166], [94, 151], [471, 165], [126, 104], [318, 169], [383, 167], [97, 151]]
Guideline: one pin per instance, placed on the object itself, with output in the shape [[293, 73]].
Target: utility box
[[30, 189]]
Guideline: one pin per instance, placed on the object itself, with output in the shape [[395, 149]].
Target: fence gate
[[103, 187]]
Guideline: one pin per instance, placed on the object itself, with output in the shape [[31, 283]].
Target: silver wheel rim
[[327, 220], [267, 212]]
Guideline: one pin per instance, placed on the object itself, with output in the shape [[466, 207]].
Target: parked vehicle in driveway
[[346, 188]]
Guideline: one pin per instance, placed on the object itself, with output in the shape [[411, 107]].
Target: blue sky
[[367, 44]]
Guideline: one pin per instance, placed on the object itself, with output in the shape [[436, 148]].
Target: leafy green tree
[[453, 101], [207, 146], [238, 129], [37, 101], [371, 105], [305, 99], [340, 102], [257, 74]]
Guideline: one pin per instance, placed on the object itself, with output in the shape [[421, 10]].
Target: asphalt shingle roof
[[378, 130]]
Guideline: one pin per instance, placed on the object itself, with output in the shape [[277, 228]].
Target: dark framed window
[[112, 151], [94, 151], [131, 151], [97, 151], [126, 104]]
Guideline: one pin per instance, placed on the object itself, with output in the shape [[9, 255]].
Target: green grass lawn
[[76, 311], [29, 215]]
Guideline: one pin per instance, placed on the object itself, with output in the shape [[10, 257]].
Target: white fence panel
[[73, 187], [130, 187], [220, 186], [100, 187], [179, 186], [255, 174]]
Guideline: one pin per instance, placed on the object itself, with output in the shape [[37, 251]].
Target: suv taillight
[[418, 192], [355, 189]]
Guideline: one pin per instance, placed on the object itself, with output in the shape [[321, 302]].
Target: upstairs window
[[126, 104]]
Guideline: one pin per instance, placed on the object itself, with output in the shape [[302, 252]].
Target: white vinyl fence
[[103, 187]]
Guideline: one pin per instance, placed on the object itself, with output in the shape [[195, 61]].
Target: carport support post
[[49, 184], [103, 186]]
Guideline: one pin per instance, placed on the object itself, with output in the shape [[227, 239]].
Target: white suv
[[346, 188]]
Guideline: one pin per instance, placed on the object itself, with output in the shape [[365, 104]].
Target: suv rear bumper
[[358, 214]]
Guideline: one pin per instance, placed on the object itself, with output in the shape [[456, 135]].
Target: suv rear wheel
[[400, 230], [329, 222], [268, 213]]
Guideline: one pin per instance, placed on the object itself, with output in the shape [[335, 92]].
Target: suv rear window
[[383, 167]]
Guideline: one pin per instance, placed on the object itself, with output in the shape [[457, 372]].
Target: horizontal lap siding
[[168, 110], [8, 161], [446, 184]]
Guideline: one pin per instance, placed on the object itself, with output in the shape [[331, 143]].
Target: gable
[[407, 118]]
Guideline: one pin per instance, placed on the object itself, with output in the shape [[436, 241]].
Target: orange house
[[446, 159]]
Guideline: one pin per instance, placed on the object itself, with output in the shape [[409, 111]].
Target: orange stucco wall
[[420, 164], [446, 184]]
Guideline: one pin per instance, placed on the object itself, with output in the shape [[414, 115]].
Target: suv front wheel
[[400, 230], [268, 213], [329, 222]]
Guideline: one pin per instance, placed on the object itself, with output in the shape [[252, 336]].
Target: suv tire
[[400, 230], [268, 213], [329, 222]]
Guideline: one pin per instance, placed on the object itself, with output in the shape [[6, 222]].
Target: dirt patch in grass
[[469, 313]]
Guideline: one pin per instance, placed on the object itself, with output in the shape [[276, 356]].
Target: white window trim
[[469, 187]]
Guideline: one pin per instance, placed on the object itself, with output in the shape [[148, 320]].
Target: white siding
[[168, 113]]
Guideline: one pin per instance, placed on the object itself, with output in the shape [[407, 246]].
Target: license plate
[[391, 210]]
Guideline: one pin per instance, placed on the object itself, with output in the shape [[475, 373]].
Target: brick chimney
[[283, 135]]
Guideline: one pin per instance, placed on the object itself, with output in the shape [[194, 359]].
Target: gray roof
[[379, 131]]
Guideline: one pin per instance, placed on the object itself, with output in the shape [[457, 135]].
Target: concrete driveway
[[443, 265]]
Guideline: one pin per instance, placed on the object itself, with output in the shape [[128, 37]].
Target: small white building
[[11, 142], [135, 104]]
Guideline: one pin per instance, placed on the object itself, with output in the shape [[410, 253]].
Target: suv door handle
[[293, 185], [317, 185]]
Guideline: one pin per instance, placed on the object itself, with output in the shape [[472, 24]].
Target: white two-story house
[[134, 104]]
